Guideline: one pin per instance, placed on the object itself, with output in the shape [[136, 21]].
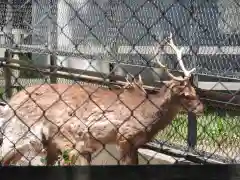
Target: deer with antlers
[[84, 119]]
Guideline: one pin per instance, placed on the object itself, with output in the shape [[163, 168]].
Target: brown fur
[[86, 118], [90, 117]]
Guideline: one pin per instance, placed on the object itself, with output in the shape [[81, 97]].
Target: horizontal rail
[[219, 86], [202, 84], [66, 73], [129, 62], [201, 50], [208, 97], [91, 52], [92, 73], [179, 154], [117, 80]]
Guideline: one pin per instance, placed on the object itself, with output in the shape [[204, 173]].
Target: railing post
[[15, 74], [52, 41], [192, 130], [192, 119], [53, 63], [192, 122], [7, 75], [114, 35]]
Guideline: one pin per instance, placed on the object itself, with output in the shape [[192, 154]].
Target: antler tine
[[136, 83], [165, 67], [179, 57], [140, 78], [170, 74], [132, 78], [140, 83], [127, 80]]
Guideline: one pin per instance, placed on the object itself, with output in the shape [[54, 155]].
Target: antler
[[179, 57], [170, 74], [128, 84], [135, 83], [178, 51], [140, 83]]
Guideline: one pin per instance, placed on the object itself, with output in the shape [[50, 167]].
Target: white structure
[[68, 33], [71, 31]]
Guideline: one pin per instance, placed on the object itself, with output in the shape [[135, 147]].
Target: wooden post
[[7, 75], [53, 62]]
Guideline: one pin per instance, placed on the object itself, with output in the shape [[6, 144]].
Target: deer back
[[58, 103]]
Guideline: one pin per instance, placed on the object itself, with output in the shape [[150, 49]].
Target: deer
[[83, 118]]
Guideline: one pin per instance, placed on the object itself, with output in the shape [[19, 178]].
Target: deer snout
[[198, 109]]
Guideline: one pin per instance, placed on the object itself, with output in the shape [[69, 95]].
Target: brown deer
[[85, 118]]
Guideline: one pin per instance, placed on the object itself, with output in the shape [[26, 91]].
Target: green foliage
[[63, 159], [212, 128], [43, 160]]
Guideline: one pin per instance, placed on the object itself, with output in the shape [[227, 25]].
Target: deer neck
[[169, 107]]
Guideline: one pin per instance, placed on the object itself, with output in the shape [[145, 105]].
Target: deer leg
[[128, 153], [134, 156], [56, 145], [54, 148], [77, 158], [84, 149], [82, 154], [52, 154], [17, 153], [86, 158], [128, 156], [128, 150], [13, 156]]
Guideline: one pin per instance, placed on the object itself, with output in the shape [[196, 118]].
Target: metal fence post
[[53, 63], [7, 75], [114, 45], [192, 130], [52, 41], [192, 123], [192, 120]]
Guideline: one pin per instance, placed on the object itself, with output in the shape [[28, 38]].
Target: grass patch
[[214, 131]]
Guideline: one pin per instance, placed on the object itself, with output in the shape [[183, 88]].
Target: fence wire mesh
[[70, 81]]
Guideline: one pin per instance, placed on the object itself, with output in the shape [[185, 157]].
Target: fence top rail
[[90, 52], [100, 79]]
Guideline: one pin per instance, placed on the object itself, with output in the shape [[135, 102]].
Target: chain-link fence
[[76, 66]]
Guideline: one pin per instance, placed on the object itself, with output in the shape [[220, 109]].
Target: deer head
[[181, 87]]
